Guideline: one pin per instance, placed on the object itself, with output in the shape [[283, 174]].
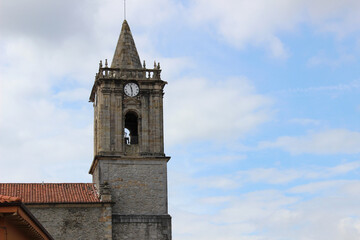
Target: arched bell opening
[[131, 133]]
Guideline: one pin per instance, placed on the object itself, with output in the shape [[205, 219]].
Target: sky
[[262, 107]]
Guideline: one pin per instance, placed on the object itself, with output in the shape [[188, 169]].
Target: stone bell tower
[[129, 166]]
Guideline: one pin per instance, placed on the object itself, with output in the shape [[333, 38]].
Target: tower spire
[[124, 9], [126, 55]]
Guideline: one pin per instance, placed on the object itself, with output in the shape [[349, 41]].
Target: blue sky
[[261, 110]]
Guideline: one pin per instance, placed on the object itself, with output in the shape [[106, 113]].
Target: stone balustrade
[[128, 74]]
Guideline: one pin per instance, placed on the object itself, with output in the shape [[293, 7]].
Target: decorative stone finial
[[158, 66], [100, 64], [144, 65], [106, 63], [154, 64]]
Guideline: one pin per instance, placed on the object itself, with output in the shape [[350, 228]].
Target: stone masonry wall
[[75, 222], [146, 227], [137, 186]]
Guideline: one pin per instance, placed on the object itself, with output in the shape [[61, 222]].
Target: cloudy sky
[[262, 108]]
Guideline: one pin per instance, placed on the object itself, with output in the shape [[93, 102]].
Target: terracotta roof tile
[[51, 192], [8, 199]]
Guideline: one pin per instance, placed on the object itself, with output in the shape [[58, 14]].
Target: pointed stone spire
[[126, 55]]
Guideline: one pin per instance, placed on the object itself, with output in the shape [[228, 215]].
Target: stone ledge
[[69, 205], [140, 159], [117, 218]]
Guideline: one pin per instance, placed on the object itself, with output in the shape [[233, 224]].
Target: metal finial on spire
[[124, 9]]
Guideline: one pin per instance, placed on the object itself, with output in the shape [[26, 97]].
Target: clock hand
[[131, 90]]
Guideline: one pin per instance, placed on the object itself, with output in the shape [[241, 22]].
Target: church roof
[[126, 55], [41, 193]]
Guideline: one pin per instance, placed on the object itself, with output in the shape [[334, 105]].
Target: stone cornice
[[98, 158]]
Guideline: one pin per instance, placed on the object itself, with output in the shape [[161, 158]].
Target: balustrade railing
[[121, 73]]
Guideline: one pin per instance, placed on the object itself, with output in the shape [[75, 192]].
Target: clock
[[131, 89]]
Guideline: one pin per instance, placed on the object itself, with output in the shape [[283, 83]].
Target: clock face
[[131, 89]]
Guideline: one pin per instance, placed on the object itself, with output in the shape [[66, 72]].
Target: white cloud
[[243, 218], [339, 88], [37, 134], [317, 187], [42, 138], [45, 20], [259, 22], [240, 22], [349, 227], [313, 179], [273, 215], [221, 159], [72, 95], [197, 109], [216, 200], [334, 141], [284, 176], [314, 202], [320, 59], [305, 121], [223, 182], [343, 168], [244, 22], [268, 175]]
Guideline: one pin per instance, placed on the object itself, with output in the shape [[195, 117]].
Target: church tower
[[129, 166]]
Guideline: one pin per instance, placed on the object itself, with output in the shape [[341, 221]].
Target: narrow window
[[131, 128]]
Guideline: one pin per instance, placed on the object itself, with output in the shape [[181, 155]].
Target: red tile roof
[[51, 192], [8, 199]]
